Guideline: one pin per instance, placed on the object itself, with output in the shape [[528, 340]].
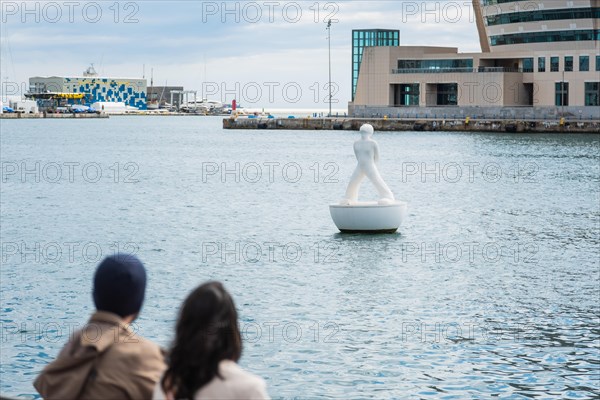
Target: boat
[[203, 107]]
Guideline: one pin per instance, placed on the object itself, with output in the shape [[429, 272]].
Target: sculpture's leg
[[354, 185], [382, 188]]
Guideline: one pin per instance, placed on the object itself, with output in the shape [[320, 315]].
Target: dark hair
[[207, 332], [120, 285]]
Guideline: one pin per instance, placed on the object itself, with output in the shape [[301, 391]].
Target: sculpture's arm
[[376, 152]]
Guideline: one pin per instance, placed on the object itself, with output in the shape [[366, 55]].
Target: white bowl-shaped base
[[368, 217]]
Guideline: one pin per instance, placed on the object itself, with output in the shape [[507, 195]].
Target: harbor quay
[[97, 115], [466, 124], [50, 115]]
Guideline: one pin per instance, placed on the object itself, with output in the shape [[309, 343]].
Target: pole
[[329, 40], [562, 94]]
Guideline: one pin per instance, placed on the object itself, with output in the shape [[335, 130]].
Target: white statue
[[367, 155], [353, 216]]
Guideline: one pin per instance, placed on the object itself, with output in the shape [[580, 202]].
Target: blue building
[[132, 92]]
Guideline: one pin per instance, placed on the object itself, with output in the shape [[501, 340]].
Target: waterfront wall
[[392, 124], [514, 113], [48, 115]]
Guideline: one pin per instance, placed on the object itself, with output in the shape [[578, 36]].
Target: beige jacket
[[105, 360], [236, 384]]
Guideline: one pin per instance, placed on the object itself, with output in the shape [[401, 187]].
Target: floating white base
[[368, 217]]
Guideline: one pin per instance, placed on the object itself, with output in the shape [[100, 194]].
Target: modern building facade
[[539, 58], [362, 38], [132, 92]]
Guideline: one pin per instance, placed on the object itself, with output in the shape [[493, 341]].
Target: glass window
[[546, 36], [492, 2], [447, 94], [456, 65], [528, 65], [584, 63], [554, 64], [597, 63], [541, 64], [406, 94], [542, 15], [568, 63], [562, 93], [592, 93]]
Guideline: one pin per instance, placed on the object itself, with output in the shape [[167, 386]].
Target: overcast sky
[[264, 53]]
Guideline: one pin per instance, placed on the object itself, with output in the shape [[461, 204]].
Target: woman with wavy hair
[[203, 359]]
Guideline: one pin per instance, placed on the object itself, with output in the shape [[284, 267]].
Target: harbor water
[[490, 287]]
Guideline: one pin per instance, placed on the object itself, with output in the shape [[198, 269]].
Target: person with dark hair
[[203, 359], [106, 359]]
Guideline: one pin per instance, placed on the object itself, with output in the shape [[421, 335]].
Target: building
[[539, 59], [161, 95], [362, 38], [94, 89]]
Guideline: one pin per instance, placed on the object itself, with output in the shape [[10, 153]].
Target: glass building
[[362, 38]]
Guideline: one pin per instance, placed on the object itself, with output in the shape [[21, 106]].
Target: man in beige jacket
[[106, 359]]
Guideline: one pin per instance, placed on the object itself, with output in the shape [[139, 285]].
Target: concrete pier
[[49, 115], [393, 125]]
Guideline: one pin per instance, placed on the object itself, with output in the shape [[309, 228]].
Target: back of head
[[207, 333], [120, 285], [366, 130]]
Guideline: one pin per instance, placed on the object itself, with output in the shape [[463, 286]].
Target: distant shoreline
[[284, 120]]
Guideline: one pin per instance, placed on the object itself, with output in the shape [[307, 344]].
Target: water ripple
[[490, 289]]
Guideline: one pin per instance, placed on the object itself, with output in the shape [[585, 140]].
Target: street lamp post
[[329, 40]]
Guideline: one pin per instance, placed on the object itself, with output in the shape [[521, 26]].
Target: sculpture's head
[[367, 130]]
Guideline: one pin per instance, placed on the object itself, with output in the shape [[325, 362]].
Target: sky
[[263, 53]]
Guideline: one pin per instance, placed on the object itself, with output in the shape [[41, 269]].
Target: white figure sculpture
[[367, 155], [353, 216]]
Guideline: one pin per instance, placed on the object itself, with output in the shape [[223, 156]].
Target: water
[[491, 287]]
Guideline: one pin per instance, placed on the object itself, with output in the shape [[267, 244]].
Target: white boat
[[204, 106]]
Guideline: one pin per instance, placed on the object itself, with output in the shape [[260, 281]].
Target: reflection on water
[[489, 289]]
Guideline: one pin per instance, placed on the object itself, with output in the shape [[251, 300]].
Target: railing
[[458, 70]]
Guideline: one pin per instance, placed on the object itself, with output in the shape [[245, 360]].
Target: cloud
[[239, 45]]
